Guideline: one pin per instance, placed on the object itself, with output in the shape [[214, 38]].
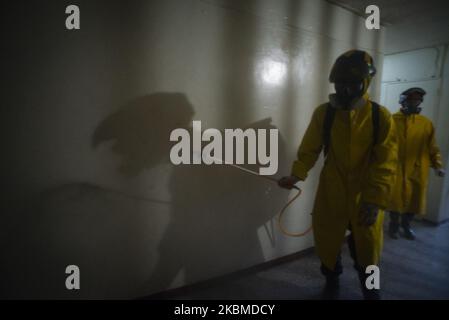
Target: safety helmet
[[353, 66]]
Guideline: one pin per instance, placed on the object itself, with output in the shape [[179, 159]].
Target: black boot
[[393, 229], [331, 289], [368, 294], [406, 221]]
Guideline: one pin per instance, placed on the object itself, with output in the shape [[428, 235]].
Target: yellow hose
[[281, 214]]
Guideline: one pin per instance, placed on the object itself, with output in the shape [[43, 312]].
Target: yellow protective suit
[[417, 152], [354, 171]]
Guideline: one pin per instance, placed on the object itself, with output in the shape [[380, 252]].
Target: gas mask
[[348, 94], [410, 106]]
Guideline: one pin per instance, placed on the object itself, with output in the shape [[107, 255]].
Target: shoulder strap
[[327, 127], [329, 119], [375, 117]]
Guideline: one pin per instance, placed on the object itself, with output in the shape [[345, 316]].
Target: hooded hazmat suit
[[354, 171], [417, 152]]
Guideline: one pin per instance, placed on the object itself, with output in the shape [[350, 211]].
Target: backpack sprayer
[[284, 208]]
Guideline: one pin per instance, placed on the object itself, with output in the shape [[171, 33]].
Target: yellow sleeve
[[434, 151], [311, 145], [381, 173]]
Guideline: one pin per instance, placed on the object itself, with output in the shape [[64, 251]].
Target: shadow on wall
[[116, 238], [141, 129]]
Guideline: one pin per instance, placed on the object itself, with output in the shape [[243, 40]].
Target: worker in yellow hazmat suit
[[417, 152], [359, 144]]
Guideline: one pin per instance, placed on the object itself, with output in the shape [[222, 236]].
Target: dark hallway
[[150, 146]]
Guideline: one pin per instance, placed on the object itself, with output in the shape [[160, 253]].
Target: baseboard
[[171, 293]]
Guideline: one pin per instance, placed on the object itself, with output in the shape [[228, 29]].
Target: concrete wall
[[86, 121]]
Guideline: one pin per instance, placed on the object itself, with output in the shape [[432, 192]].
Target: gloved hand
[[368, 214], [440, 172], [288, 182]]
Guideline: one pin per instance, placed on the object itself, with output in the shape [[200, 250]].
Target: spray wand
[[284, 208]]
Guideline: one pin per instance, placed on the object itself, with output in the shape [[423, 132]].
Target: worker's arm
[[311, 145], [381, 173], [434, 151], [308, 151]]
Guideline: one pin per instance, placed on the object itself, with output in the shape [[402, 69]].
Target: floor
[[409, 270]]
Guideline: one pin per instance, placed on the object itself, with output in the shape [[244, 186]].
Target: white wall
[[88, 114], [443, 137], [426, 68]]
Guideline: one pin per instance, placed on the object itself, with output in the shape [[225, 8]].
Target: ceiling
[[410, 24], [393, 12]]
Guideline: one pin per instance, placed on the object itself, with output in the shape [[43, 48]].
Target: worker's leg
[[393, 228], [332, 287], [368, 294], [406, 226]]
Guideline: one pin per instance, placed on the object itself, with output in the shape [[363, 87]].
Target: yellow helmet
[[353, 66]]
